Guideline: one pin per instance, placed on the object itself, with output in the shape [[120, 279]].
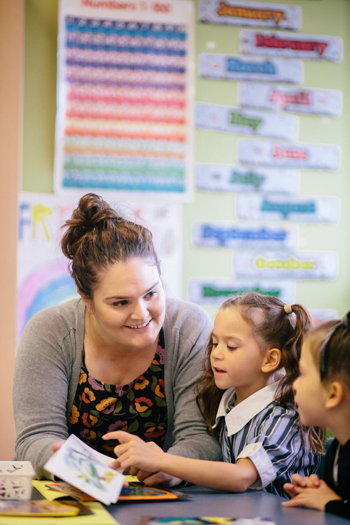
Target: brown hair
[[277, 329], [97, 236], [336, 353]]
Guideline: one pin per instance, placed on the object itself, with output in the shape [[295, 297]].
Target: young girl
[[246, 401], [322, 393]]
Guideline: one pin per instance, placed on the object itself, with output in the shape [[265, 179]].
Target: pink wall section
[[11, 81]]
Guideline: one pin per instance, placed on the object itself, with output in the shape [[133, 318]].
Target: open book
[[87, 470]]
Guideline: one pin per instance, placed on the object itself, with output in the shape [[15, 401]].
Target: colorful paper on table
[[36, 508], [78, 464], [99, 517], [147, 520]]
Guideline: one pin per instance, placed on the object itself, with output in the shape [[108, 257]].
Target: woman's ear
[[85, 300], [335, 394], [272, 360]]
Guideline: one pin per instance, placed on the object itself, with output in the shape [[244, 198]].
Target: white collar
[[239, 416]]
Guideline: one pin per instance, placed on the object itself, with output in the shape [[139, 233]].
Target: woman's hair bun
[[92, 209]]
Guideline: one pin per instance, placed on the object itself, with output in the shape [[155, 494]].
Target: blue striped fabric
[[271, 439]]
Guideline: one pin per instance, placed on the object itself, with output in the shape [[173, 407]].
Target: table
[[207, 502]]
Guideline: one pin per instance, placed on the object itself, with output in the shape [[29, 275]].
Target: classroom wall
[[328, 17], [39, 107]]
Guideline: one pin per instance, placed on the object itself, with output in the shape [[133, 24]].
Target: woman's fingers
[[57, 445]]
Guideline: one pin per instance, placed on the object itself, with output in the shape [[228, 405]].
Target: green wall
[[329, 17]]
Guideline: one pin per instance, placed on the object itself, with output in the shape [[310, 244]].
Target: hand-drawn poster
[[42, 271], [278, 97], [244, 235], [239, 67], [236, 178], [212, 292], [255, 14], [247, 122], [297, 208], [125, 88], [286, 265], [294, 155], [315, 47]]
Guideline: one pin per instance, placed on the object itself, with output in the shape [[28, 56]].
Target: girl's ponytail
[[291, 350]]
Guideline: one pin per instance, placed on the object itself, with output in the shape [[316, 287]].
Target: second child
[[246, 401]]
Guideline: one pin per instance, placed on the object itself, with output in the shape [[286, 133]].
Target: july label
[[236, 178]]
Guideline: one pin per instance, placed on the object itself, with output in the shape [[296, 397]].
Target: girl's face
[[128, 305], [310, 394], [236, 358]]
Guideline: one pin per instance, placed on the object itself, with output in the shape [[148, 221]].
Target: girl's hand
[[133, 452], [300, 482], [312, 497]]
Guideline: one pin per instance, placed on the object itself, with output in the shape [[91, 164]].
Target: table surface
[[207, 502]]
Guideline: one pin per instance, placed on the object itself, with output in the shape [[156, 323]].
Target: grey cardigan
[[47, 371]]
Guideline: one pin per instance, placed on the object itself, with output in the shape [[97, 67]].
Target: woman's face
[[128, 305]]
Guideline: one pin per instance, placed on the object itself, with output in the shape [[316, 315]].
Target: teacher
[[121, 357]]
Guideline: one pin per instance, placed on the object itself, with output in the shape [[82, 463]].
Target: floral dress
[[138, 407]]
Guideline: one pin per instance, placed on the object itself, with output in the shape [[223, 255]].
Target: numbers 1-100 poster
[[125, 89]]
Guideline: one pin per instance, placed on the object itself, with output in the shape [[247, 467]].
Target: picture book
[[87, 470], [133, 492]]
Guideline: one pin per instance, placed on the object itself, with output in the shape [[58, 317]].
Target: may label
[[247, 122]]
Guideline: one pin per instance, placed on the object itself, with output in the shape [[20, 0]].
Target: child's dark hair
[[277, 329], [329, 344], [97, 236]]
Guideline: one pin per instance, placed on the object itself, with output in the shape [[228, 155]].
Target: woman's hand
[[141, 459], [57, 445], [312, 497]]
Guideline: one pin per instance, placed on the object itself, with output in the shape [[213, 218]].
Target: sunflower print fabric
[[139, 407]]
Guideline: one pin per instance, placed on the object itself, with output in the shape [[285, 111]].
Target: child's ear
[[272, 360], [335, 394]]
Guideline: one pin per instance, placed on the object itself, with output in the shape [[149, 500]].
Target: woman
[[120, 357]]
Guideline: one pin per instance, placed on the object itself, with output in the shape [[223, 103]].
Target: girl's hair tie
[[288, 308]]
